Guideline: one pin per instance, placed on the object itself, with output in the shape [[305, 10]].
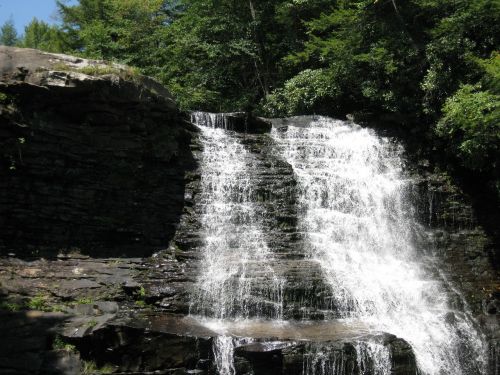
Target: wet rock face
[[326, 357], [466, 251], [89, 161]]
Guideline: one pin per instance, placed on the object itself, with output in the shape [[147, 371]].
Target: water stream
[[358, 226], [236, 260]]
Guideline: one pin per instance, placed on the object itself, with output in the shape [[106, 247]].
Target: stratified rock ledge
[[93, 156]]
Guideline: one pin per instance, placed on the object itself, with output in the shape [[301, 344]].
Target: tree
[[125, 30], [40, 35], [227, 55], [467, 30], [213, 54], [8, 33]]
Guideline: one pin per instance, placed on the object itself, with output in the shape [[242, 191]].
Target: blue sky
[[23, 11]]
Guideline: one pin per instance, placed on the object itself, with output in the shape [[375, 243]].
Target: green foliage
[[60, 344], [84, 301], [468, 30], [126, 30], [140, 303], [212, 56], [428, 61], [142, 292], [99, 70], [141, 296], [125, 72], [40, 35], [491, 70], [207, 53], [373, 52], [39, 302], [308, 92], [94, 70], [91, 368], [8, 33], [107, 369], [471, 125], [10, 306], [92, 323], [416, 58]]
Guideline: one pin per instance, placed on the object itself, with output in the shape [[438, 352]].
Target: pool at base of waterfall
[[258, 346]]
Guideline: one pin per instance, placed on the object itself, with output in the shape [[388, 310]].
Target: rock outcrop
[[98, 171], [93, 156]]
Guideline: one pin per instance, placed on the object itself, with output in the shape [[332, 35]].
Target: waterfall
[[357, 225], [236, 278], [235, 254], [211, 120], [360, 229], [223, 353], [372, 358]]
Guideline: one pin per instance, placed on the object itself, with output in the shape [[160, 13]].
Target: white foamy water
[[236, 278], [223, 349], [236, 260], [371, 359], [359, 228]]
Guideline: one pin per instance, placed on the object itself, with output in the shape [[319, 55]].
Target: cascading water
[[360, 229], [236, 260], [356, 223]]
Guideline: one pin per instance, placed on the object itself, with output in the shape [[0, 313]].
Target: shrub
[[307, 92], [38, 302], [471, 125]]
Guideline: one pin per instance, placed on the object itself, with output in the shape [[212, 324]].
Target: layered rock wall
[[93, 156]]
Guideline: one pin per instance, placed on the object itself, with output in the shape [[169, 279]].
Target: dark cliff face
[[93, 156]]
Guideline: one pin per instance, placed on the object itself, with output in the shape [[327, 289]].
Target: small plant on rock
[[142, 292], [107, 369], [59, 344], [89, 368], [38, 302], [84, 301], [10, 306]]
